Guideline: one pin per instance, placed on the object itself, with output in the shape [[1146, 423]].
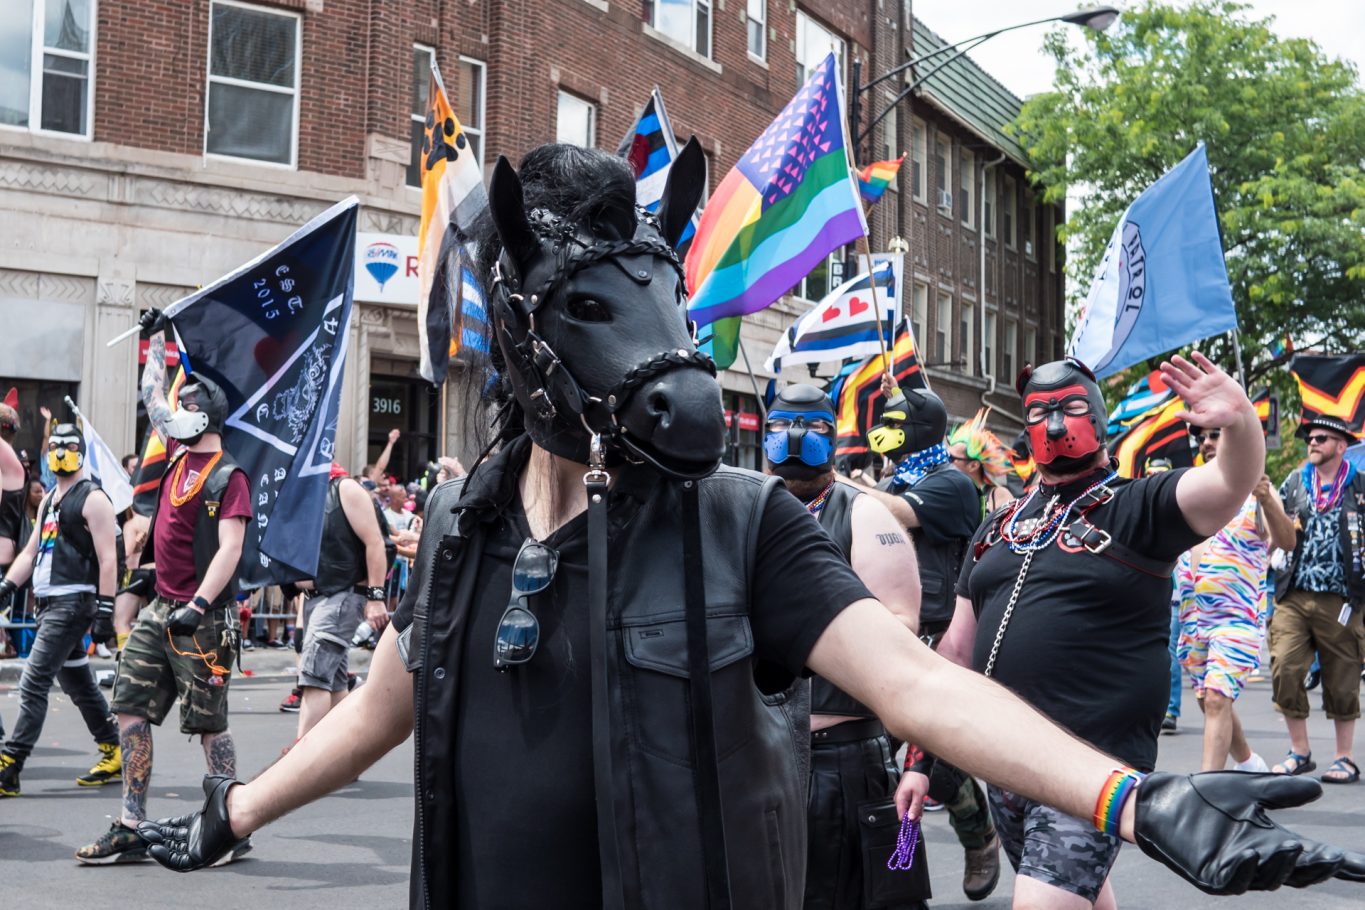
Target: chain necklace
[[817, 505], [1034, 538], [178, 499], [1009, 611]]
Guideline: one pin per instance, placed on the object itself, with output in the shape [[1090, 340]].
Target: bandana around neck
[[914, 466]]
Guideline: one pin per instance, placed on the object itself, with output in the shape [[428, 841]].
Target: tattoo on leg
[[221, 753], [135, 741]]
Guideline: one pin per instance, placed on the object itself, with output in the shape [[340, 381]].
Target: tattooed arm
[[154, 384], [884, 559]]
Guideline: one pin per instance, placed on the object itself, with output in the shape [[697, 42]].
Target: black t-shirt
[[948, 507], [523, 761], [1087, 643]]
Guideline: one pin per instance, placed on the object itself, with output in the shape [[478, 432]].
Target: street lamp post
[[1097, 18]]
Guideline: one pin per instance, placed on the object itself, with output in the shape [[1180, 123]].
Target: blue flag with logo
[[1162, 282], [273, 334]]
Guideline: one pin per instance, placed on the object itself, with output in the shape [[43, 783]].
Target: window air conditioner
[[945, 200], [1028, 247]]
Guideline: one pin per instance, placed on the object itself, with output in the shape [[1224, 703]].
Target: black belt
[[80, 596], [177, 604], [850, 731]]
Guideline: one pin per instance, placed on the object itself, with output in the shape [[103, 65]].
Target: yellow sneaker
[[9, 775], [108, 770]]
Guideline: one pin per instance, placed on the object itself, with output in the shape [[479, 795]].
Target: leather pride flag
[[860, 397], [1159, 435], [1331, 387]]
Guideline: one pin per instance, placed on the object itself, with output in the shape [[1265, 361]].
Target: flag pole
[[1237, 354], [762, 408]]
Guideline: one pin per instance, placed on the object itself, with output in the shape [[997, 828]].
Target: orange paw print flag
[[452, 194]]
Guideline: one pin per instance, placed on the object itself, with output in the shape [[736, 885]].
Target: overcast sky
[[1016, 58]]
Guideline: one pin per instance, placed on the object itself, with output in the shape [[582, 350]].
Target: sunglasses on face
[[519, 630], [1319, 439], [1211, 434]]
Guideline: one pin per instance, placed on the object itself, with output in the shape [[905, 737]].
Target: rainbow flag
[[876, 177], [788, 202], [860, 400]]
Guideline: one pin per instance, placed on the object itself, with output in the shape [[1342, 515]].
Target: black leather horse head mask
[[590, 312]]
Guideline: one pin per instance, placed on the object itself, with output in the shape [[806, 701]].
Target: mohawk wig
[[983, 446]]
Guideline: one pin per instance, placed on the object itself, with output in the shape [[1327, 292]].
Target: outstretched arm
[[381, 464], [1210, 495], [153, 387]]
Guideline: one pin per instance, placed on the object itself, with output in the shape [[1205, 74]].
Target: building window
[[919, 316], [988, 202], [1008, 347], [816, 284], [1050, 238], [253, 84], [1007, 213], [943, 173], [46, 65], [919, 154], [576, 122], [420, 101], [813, 44], [1030, 213], [469, 103], [891, 140], [1031, 345], [943, 331], [988, 344], [687, 22], [964, 338], [966, 205], [756, 17]]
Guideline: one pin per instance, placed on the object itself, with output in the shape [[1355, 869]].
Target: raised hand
[[1213, 830], [1212, 397], [199, 839]]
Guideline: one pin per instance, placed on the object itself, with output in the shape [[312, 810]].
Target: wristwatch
[[374, 593], [201, 603]]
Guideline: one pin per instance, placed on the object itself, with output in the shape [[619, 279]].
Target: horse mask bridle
[[564, 360]]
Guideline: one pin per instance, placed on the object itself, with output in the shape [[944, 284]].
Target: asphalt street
[[351, 850]]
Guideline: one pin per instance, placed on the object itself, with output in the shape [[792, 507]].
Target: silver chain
[[1009, 611]]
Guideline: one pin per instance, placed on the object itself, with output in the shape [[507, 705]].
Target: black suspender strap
[[705, 758], [596, 480]]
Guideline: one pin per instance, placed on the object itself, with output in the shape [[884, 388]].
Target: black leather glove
[[184, 621], [197, 840], [141, 582], [151, 322], [1213, 830], [102, 629], [7, 589]]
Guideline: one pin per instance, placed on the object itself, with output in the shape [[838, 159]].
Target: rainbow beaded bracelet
[[1116, 790]]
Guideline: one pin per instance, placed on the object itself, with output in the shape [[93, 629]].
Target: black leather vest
[[837, 520], [341, 558], [73, 552], [763, 731], [205, 526]]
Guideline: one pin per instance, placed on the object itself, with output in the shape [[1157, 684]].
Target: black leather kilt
[[853, 824]]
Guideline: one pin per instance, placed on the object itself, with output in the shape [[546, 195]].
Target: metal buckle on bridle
[[1091, 538], [597, 461]]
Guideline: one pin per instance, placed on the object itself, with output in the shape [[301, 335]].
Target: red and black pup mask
[[1064, 414]]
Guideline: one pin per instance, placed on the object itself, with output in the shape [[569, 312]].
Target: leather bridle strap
[[705, 757], [609, 857]]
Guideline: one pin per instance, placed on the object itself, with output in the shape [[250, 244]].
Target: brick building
[[149, 146]]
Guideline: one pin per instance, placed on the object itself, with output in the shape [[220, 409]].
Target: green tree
[[1285, 128]]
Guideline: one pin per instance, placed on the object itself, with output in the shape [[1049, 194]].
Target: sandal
[[1294, 763], [1347, 771]]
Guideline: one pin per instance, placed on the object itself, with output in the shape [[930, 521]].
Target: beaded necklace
[[817, 505], [1041, 535], [1325, 503], [178, 499]]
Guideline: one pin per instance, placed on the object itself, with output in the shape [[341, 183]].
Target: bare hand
[[377, 615], [47, 415], [888, 386], [1263, 490], [393, 436], [452, 465], [1212, 397], [910, 793]]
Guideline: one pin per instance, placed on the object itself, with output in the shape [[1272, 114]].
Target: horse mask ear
[[507, 205], [683, 191]]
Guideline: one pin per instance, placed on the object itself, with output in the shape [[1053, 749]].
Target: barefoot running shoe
[[120, 844], [108, 770]]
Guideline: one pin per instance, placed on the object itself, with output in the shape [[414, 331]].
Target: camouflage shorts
[[155, 670], [1048, 846]]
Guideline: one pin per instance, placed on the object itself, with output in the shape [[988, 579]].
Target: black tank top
[[837, 520], [12, 513]]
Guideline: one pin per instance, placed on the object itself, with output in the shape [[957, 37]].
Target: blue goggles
[[799, 434]]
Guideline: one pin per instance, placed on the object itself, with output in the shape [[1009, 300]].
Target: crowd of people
[[653, 616]]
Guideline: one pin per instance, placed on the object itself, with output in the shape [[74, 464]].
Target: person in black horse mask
[[644, 744], [853, 766]]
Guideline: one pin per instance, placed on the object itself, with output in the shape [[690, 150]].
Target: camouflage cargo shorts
[[156, 669], [1048, 846]]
